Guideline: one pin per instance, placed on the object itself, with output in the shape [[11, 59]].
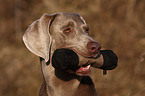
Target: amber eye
[[87, 29], [67, 29]]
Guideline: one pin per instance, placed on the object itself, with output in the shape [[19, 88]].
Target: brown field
[[117, 24]]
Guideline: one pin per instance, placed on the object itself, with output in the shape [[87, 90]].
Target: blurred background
[[118, 25]]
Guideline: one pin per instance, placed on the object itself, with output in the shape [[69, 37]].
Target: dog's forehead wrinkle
[[61, 22], [65, 17]]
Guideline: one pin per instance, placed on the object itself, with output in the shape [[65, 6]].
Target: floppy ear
[[37, 37]]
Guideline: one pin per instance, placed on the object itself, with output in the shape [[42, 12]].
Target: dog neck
[[60, 83]]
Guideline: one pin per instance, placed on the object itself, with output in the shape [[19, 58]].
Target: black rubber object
[[64, 59], [110, 60]]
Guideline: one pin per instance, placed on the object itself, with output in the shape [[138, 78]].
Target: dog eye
[[86, 29], [67, 29]]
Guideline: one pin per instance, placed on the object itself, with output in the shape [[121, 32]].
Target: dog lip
[[84, 54], [87, 55], [96, 55]]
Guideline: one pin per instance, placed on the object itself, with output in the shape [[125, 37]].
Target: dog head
[[64, 31]]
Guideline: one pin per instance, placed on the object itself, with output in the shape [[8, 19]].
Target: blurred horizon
[[116, 25]]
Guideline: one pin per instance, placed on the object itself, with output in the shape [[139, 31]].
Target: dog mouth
[[83, 70]]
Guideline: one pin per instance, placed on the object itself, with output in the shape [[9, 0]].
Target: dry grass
[[117, 25]]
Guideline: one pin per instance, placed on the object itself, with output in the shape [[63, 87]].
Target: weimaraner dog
[[66, 53]]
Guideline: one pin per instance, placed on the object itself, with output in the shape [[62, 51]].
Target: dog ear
[[37, 37]]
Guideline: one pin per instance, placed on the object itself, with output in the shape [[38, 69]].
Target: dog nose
[[93, 47]]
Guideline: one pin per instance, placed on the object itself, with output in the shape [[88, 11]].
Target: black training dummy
[[66, 59], [110, 60]]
